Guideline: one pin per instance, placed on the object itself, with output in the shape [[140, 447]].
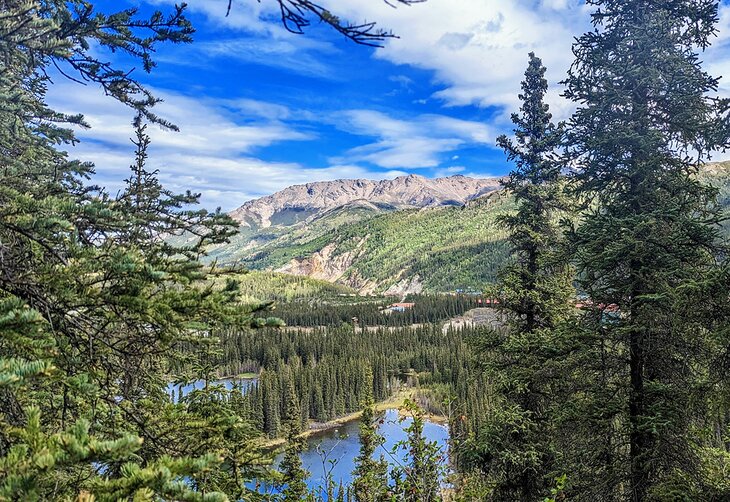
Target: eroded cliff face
[[406, 286], [323, 264], [329, 265], [300, 203]]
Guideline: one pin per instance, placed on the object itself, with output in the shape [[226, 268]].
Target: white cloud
[[244, 15], [415, 143], [478, 48], [224, 182], [449, 171], [404, 152], [214, 151], [263, 109], [296, 54], [404, 83], [258, 37]]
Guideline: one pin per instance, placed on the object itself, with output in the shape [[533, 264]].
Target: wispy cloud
[[301, 56], [252, 33], [206, 125], [450, 171], [214, 152], [419, 142], [477, 50]]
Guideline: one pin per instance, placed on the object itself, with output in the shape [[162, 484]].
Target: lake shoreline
[[331, 455], [240, 376], [393, 403]]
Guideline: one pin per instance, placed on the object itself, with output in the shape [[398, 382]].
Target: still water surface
[[342, 447], [177, 391], [334, 451]]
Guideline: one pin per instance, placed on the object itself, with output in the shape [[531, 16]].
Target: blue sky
[[260, 109]]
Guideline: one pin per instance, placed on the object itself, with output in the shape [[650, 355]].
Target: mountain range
[[408, 234], [301, 203]]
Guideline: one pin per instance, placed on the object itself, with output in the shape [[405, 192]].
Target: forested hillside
[[398, 251], [411, 250], [260, 287]]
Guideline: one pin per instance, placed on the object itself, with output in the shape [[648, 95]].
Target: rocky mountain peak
[[299, 203]]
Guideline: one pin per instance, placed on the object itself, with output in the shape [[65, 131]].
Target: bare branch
[[295, 16]]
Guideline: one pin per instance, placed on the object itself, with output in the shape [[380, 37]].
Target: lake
[[177, 391], [335, 450], [342, 446]]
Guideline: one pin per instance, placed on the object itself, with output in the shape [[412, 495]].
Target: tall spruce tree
[[79, 302], [370, 477], [293, 474], [646, 121], [535, 290]]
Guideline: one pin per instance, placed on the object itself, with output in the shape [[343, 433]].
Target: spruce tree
[[293, 474], [535, 292], [77, 306], [108, 300], [370, 477], [419, 478], [646, 121]]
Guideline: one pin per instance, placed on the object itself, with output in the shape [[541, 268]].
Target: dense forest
[[376, 312], [606, 378], [329, 368]]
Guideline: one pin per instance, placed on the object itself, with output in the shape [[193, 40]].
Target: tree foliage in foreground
[[293, 474], [370, 477], [650, 349], [418, 480], [94, 301], [295, 16], [513, 446], [626, 400]]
